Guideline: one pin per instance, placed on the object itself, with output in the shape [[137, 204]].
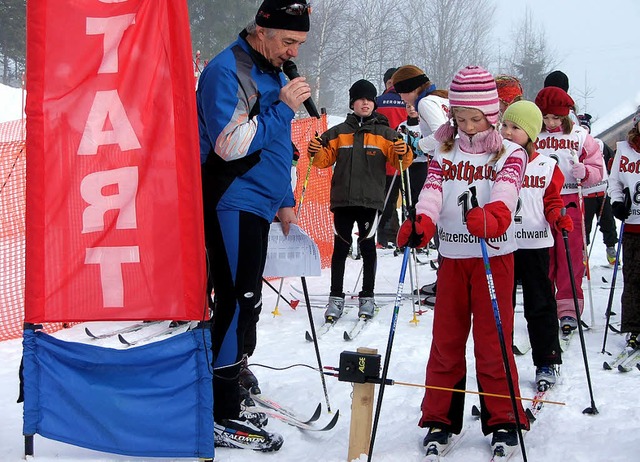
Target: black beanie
[[274, 14], [557, 79], [362, 89], [389, 74]]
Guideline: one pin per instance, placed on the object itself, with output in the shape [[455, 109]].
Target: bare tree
[[530, 59], [585, 94], [446, 35]]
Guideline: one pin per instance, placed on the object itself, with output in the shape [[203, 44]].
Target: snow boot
[[367, 307], [334, 309], [545, 377], [435, 441], [244, 435], [568, 324], [247, 379], [429, 289], [504, 442]]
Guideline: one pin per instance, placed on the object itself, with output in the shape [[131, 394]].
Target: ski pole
[[414, 319], [315, 341], [503, 346], [612, 290], [595, 230], [306, 182], [387, 355], [592, 410], [405, 213], [585, 255], [275, 311], [392, 333], [293, 303]]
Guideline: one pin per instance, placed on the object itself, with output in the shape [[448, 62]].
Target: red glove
[[558, 221], [416, 233], [489, 221]]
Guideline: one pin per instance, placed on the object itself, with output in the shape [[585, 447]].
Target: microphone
[[291, 70]]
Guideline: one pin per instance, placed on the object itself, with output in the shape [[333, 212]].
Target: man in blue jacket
[[245, 108]]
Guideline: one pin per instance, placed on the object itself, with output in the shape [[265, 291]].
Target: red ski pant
[[463, 304], [558, 266]]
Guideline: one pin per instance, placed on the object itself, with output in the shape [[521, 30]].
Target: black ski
[[125, 330], [168, 330]]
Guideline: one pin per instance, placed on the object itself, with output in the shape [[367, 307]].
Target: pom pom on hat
[[280, 14], [557, 79], [554, 100], [509, 88], [525, 115], [362, 89], [474, 87]]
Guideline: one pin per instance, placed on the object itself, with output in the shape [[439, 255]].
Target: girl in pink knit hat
[[471, 192], [580, 159]]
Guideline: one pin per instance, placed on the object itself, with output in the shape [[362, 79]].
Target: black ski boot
[[247, 379]]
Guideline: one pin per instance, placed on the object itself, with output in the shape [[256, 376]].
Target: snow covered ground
[[11, 103], [562, 433]]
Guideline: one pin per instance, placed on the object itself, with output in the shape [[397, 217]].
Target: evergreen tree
[[216, 23], [12, 40]]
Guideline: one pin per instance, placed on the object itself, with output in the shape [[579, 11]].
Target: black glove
[[622, 210]]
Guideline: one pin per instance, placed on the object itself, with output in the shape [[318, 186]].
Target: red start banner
[[114, 225]]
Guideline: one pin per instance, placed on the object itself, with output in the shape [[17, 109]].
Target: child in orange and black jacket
[[359, 147]]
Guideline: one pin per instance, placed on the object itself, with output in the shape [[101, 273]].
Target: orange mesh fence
[[313, 209], [314, 216], [12, 228]]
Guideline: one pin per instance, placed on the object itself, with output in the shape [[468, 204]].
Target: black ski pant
[[386, 224], [631, 276], [343, 220], [531, 267], [607, 224], [236, 244]]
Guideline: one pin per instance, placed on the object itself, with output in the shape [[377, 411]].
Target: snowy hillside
[[562, 433], [10, 103]]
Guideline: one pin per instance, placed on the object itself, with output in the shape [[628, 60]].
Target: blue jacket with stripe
[[245, 133]]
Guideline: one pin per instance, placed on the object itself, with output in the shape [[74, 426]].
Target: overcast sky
[[593, 40]]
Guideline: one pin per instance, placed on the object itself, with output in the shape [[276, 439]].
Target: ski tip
[[606, 366], [622, 368], [316, 414], [294, 303], [475, 411], [332, 423], [89, 333], [346, 336], [530, 415], [308, 336], [123, 340]]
